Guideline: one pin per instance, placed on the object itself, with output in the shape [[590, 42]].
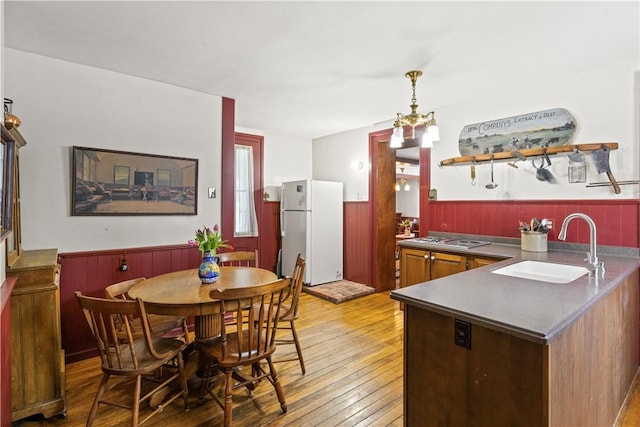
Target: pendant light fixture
[[403, 182], [414, 119]]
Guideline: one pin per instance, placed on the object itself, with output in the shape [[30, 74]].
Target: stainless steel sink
[[543, 271]]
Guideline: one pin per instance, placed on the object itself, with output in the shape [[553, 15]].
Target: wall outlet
[[462, 334]]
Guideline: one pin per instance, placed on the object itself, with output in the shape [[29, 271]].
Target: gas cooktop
[[451, 242]]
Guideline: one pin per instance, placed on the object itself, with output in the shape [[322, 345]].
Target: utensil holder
[[533, 241]]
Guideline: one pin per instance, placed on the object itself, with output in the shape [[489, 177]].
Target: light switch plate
[[212, 192]]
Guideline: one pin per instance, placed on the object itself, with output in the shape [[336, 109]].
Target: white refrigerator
[[311, 224]]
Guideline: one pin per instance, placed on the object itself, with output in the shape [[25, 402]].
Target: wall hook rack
[[509, 156]]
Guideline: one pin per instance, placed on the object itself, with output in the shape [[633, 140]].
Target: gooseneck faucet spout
[[592, 258]]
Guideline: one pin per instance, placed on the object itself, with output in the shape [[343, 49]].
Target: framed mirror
[[7, 187]]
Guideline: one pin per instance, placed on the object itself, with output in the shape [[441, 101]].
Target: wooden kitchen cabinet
[[37, 357], [419, 265], [415, 266], [446, 264], [579, 376], [481, 261]]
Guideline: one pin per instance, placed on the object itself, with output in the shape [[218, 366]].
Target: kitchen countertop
[[530, 309]]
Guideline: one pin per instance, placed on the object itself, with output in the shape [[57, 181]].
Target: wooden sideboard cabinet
[[37, 357]]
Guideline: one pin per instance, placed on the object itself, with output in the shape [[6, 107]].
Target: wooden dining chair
[[290, 312], [238, 258], [249, 341], [169, 326], [156, 360]]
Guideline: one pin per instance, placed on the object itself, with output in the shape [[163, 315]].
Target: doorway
[[382, 205], [407, 188]]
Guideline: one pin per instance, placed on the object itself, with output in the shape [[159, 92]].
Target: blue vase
[[209, 270]]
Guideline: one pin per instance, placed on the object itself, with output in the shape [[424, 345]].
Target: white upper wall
[[344, 157], [286, 158], [408, 202], [604, 100], [62, 104]]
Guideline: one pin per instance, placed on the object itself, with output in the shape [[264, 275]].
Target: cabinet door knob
[[433, 257], [426, 257]]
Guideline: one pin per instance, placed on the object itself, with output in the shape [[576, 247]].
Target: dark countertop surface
[[534, 310]]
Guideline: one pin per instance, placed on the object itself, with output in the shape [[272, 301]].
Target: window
[[245, 221]]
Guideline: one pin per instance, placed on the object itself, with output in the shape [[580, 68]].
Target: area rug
[[339, 291]]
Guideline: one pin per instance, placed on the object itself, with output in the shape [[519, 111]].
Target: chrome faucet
[[592, 258]]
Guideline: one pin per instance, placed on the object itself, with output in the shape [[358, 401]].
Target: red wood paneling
[[616, 220], [358, 242], [270, 236], [5, 351], [91, 272], [228, 138]]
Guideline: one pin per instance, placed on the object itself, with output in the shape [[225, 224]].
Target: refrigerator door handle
[[282, 226], [282, 205]]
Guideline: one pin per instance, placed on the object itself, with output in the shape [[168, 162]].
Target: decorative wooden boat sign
[[546, 128]]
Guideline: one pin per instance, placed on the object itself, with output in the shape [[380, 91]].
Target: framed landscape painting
[[109, 182]]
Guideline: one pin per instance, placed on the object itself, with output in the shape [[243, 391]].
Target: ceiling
[[312, 69]]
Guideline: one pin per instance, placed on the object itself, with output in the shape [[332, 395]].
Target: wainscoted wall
[[357, 242], [270, 232], [5, 351], [616, 220], [91, 272]]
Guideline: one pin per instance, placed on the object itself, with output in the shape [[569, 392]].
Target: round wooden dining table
[[182, 293]]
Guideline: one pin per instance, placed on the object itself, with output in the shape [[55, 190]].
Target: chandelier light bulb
[[396, 138], [427, 142], [434, 132]]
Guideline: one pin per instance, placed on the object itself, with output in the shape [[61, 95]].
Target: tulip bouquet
[[209, 240]]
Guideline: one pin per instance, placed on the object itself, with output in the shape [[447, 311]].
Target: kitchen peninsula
[[487, 349]]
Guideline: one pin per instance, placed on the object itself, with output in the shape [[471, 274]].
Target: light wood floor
[[353, 354]]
